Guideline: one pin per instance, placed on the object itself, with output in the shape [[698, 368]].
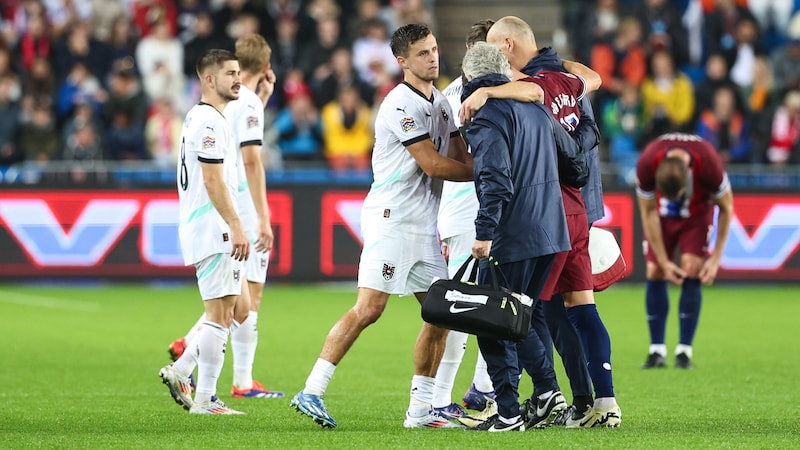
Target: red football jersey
[[707, 177]]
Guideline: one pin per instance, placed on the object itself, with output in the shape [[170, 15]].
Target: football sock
[[211, 341], [421, 395], [686, 349], [244, 341], [545, 396], [605, 402], [689, 309], [568, 345], [596, 346], [481, 379], [661, 349], [195, 328], [319, 378], [454, 349], [510, 421], [188, 360], [657, 301]]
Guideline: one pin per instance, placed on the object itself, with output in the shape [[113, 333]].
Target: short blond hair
[[253, 53]]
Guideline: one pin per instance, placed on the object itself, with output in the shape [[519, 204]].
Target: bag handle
[[494, 267]]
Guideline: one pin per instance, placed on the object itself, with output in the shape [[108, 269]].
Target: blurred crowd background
[[90, 81]]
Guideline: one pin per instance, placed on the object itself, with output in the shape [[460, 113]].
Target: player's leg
[[694, 249], [657, 297], [481, 390], [568, 344]]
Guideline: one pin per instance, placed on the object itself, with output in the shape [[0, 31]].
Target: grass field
[[80, 364]]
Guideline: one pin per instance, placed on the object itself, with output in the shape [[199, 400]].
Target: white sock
[[188, 360], [511, 421], [211, 341], [605, 402], [454, 349], [421, 395], [546, 395], [661, 349], [682, 348], [195, 328], [319, 378], [243, 342], [481, 379]]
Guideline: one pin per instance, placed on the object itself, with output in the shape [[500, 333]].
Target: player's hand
[[708, 273], [266, 86], [265, 237], [481, 249], [673, 273], [240, 243], [472, 104]]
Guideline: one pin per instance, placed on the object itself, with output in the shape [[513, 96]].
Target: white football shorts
[[218, 276], [400, 264], [256, 266]]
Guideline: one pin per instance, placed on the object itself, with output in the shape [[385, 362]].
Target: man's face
[[227, 80], [423, 59]]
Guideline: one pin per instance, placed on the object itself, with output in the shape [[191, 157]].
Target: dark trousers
[[502, 361]]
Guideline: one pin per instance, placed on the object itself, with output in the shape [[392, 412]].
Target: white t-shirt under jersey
[[402, 196], [206, 138], [459, 205], [246, 119]]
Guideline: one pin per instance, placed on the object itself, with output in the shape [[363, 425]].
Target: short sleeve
[[210, 144], [408, 122], [250, 126], [645, 176]]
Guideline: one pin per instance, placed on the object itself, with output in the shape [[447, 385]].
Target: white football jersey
[[206, 138], [246, 119], [402, 194], [459, 205]]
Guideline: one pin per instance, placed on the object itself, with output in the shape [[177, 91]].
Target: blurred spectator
[[299, 129], [663, 29], [204, 39], [188, 10], [125, 114], [743, 56], [577, 19], [159, 58], [244, 25], [83, 113], [414, 11], [785, 132], [372, 54], [315, 12], [347, 131], [606, 20], [79, 87], [7, 71], [367, 10], [315, 56], [716, 77], [82, 143], [10, 153], [624, 125], [772, 15], [786, 59], [285, 51], [225, 18], [34, 43], [65, 14], [39, 139], [40, 83], [619, 62], [668, 96], [760, 101], [79, 46], [104, 14], [163, 134], [721, 24], [122, 41], [341, 75], [148, 13], [725, 127]]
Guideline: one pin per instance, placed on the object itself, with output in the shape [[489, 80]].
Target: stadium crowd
[[89, 80]]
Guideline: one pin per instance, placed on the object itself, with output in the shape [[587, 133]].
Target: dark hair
[[478, 31], [671, 177], [405, 36], [214, 57]]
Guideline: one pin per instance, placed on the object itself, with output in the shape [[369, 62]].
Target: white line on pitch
[[17, 298]]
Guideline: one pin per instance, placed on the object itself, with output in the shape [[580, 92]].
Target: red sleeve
[[712, 173], [646, 170]]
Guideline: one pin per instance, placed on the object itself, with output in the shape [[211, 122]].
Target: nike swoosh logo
[[455, 310]]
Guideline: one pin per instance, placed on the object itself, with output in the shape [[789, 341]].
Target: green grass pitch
[[80, 364]]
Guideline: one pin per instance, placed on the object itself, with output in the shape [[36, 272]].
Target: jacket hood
[[547, 59], [493, 79]]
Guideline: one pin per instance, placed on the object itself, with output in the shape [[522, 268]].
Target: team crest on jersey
[[444, 114], [236, 275], [209, 142], [252, 121], [408, 124], [388, 271]]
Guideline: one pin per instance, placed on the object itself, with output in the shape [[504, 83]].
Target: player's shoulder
[[202, 115]]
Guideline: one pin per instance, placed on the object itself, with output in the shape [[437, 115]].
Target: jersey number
[[184, 177]]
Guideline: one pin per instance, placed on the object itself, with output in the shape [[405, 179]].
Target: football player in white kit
[[211, 233], [246, 118], [417, 146]]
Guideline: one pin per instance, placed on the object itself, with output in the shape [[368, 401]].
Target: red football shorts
[[692, 235], [572, 270]]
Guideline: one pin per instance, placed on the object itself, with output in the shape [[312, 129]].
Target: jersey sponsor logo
[[408, 124], [209, 142], [388, 271], [252, 121]]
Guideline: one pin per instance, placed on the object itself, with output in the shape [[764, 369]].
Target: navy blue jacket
[[516, 176], [592, 193]]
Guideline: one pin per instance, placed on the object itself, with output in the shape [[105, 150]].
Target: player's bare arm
[[256, 181], [458, 150], [436, 165], [710, 267], [522, 91], [651, 223], [590, 77], [214, 181], [266, 86]]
